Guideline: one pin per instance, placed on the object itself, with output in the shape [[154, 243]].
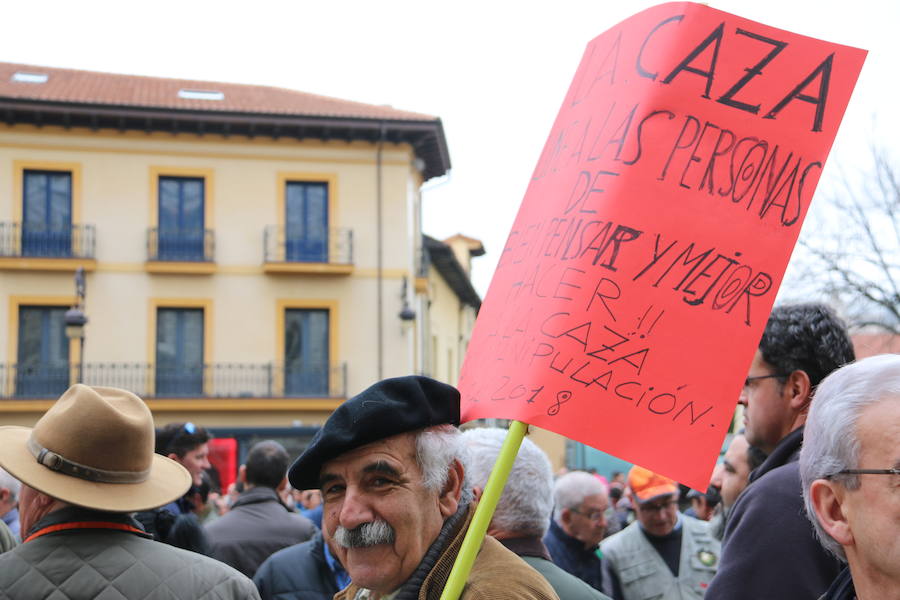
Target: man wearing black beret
[[390, 464]]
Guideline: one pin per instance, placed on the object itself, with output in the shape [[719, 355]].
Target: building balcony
[[288, 251], [180, 250], [41, 247], [217, 380]]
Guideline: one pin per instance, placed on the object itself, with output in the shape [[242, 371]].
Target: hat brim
[[656, 492], [167, 481]]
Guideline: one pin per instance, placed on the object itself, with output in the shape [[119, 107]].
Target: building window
[[306, 221], [47, 214], [43, 352], [181, 222], [306, 352], [179, 351]]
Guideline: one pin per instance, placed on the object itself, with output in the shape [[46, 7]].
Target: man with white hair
[[9, 501], [523, 512], [850, 471], [578, 525], [391, 467]]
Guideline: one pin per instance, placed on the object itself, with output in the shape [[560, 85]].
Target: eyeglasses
[[750, 380], [656, 507], [893, 471], [594, 515]]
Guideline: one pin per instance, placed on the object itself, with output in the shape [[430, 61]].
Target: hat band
[[55, 462]]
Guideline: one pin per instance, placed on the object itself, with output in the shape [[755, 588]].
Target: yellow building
[[252, 255], [450, 302]]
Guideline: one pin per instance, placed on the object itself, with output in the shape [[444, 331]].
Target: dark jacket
[[296, 573], [176, 525], [770, 549], [107, 555], [257, 525], [568, 587], [571, 556]]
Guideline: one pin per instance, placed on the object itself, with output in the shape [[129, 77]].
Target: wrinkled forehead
[[596, 500], [878, 431], [397, 452]]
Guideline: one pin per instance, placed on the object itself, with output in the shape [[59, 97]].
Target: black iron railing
[[218, 380], [28, 240], [180, 245], [286, 244]]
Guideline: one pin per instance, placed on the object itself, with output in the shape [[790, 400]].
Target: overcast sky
[[495, 72]]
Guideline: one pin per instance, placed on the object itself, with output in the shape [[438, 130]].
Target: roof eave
[[425, 136], [450, 269]]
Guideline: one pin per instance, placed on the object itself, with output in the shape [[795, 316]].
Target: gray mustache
[[365, 535]]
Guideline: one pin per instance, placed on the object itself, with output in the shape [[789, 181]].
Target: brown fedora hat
[[94, 448]]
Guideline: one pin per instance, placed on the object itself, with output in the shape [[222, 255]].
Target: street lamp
[[75, 320], [407, 314]]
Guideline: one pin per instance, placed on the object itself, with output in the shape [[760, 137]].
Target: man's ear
[[448, 500], [827, 498], [174, 457], [242, 474], [282, 485], [799, 389]]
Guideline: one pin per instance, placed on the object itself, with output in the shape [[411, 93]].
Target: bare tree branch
[[851, 254]]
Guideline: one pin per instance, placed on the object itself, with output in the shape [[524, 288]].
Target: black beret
[[387, 408]]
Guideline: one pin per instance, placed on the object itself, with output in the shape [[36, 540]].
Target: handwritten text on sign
[[645, 258]]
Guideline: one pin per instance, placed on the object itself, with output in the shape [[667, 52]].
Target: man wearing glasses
[[769, 549], [663, 554], [578, 525], [850, 469]]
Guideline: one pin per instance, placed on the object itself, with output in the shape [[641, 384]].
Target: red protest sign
[[653, 236]]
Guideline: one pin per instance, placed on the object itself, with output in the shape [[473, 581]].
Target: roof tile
[[91, 87]]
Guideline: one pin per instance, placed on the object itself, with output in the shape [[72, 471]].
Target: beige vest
[[644, 575]]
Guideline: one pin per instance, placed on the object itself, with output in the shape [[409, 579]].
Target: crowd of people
[[805, 503]]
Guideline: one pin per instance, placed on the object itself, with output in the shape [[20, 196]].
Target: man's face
[[195, 461], [735, 470], [873, 510], [587, 521], [766, 418], [659, 515], [381, 483]]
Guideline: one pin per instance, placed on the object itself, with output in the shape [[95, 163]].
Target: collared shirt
[[340, 575], [527, 546], [841, 588]]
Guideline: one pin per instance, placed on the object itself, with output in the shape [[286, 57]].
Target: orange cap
[[647, 485]]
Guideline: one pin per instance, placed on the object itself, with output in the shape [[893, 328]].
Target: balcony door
[[181, 219], [179, 352], [47, 214], [43, 352], [306, 352], [306, 222]]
